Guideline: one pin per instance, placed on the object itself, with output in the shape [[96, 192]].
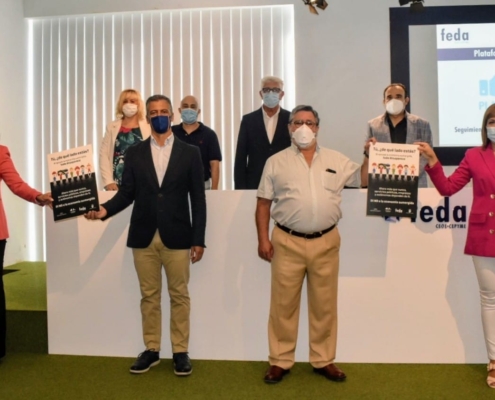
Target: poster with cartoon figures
[[73, 182], [393, 180]]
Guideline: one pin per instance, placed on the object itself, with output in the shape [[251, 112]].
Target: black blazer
[[164, 207], [253, 147]]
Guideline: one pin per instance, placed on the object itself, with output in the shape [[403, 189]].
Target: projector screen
[[452, 79], [466, 81], [446, 57]]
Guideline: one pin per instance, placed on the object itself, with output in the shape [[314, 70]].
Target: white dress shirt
[[307, 199], [270, 123], [161, 156]]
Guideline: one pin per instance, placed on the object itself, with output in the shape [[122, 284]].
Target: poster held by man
[[73, 182], [393, 180]]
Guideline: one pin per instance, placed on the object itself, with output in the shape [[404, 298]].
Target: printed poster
[[393, 180], [73, 182]]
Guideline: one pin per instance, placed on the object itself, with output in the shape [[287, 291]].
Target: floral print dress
[[126, 138]]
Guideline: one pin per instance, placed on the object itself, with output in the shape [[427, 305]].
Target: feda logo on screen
[[454, 36]]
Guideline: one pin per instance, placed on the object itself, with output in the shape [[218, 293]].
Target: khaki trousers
[[148, 263], [294, 259]]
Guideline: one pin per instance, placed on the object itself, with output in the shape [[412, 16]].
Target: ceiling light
[[416, 5], [312, 4]]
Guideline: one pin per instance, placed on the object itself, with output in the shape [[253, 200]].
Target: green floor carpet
[[28, 373], [46, 377], [25, 288]]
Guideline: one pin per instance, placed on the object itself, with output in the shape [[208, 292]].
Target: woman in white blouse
[[129, 128]]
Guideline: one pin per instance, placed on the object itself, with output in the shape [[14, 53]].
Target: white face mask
[[490, 133], [129, 109], [395, 106], [303, 136]]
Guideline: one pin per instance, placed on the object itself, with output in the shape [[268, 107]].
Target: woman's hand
[[427, 152], [45, 199], [112, 186]]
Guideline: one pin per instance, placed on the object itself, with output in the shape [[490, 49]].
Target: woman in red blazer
[[479, 165], [15, 183]]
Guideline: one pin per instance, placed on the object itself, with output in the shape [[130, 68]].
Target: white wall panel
[[218, 55]]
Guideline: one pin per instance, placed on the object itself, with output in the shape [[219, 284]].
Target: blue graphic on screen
[[487, 87]]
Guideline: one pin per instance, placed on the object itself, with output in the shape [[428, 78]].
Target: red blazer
[[9, 174], [478, 164]]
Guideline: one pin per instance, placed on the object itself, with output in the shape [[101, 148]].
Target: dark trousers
[[3, 312]]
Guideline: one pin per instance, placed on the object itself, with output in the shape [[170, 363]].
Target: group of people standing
[[164, 170], [299, 185]]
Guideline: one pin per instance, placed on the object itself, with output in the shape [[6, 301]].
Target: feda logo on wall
[[456, 36], [444, 217]]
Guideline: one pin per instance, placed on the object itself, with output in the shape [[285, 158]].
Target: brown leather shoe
[[275, 374], [332, 372]]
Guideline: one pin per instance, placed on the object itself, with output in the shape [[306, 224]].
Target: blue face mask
[[160, 123], [189, 116], [271, 99]]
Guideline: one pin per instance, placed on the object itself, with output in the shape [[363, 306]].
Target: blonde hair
[[120, 103]]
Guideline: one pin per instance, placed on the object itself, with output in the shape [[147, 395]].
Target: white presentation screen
[[466, 81]]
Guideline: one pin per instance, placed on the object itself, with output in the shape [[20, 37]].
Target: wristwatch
[[366, 154]]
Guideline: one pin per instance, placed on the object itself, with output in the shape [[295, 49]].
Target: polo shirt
[[207, 141]]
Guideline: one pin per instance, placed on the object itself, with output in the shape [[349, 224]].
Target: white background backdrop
[[342, 66]]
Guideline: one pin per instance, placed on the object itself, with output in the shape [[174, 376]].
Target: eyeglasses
[[299, 123], [268, 90]]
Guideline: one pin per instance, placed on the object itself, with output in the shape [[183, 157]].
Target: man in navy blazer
[[164, 178], [262, 134]]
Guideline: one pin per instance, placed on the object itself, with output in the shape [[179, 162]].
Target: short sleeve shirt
[[207, 141], [307, 199]]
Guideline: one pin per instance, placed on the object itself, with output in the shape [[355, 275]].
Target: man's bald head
[[189, 102]]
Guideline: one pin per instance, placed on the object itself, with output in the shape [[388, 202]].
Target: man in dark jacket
[[263, 133], [161, 175]]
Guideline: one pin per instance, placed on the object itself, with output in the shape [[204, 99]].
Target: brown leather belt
[[313, 235]]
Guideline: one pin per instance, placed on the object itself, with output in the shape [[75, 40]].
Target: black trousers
[[3, 312]]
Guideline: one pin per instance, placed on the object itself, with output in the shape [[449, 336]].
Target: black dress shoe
[[145, 361], [182, 364], [275, 374], [331, 372]]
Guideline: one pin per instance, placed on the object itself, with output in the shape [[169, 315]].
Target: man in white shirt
[[304, 182]]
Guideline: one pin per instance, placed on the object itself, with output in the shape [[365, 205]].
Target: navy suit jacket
[[253, 147], [164, 207]]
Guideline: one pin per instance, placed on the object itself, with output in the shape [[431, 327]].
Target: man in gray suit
[[398, 126]]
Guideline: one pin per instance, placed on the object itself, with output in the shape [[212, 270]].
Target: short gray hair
[[273, 79], [158, 97], [304, 108]]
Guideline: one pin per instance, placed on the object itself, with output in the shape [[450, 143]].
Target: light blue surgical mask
[[160, 123], [490, 133], [271, 99], [189, 116]]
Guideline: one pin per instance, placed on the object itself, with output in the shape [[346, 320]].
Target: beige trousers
[[148, 263], [294, 259]]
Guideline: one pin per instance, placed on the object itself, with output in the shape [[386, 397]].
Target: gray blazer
[[418, 130]]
